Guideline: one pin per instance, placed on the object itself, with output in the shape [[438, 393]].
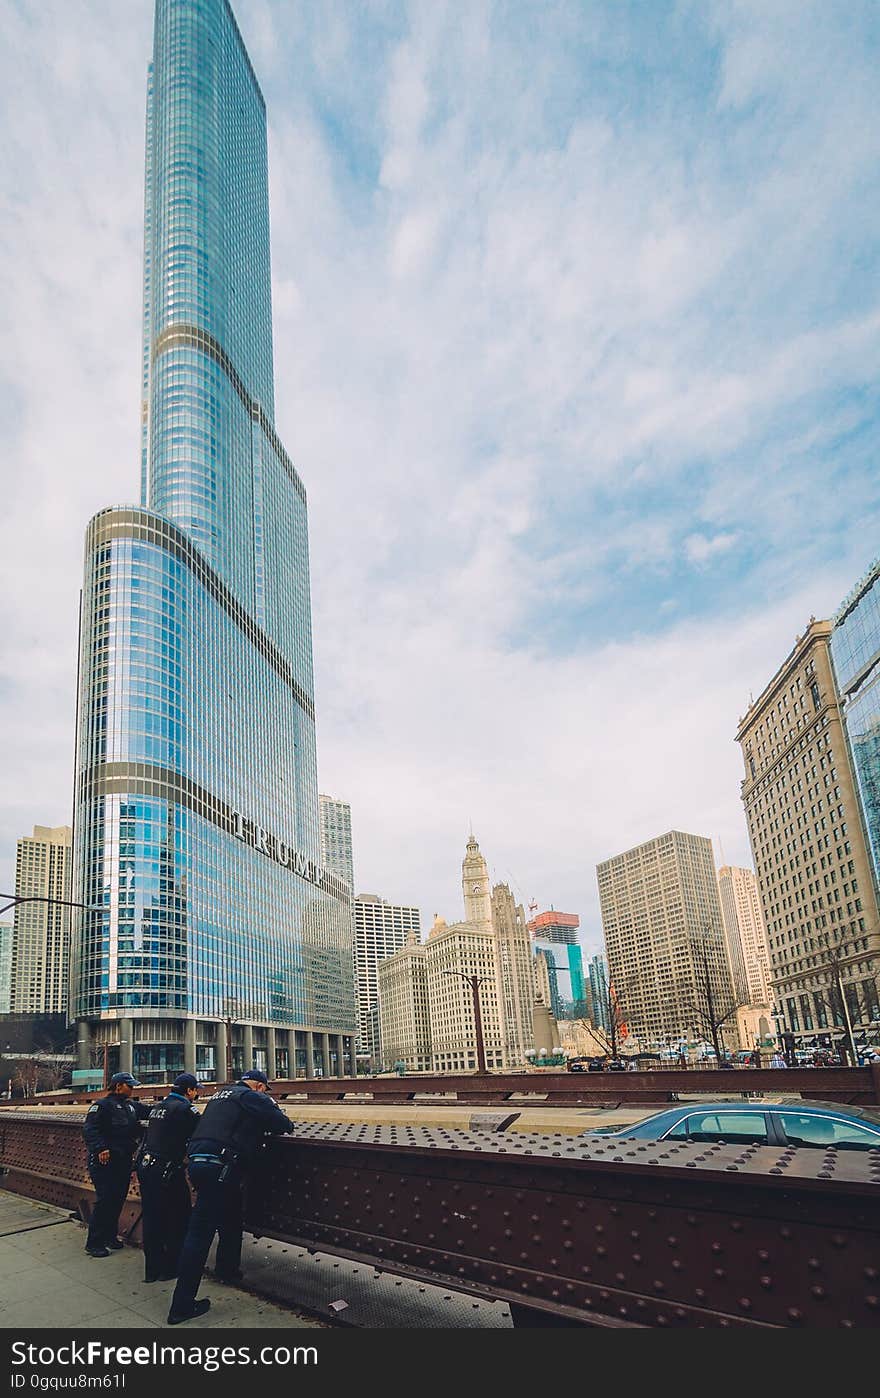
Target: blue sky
[[577, 328]]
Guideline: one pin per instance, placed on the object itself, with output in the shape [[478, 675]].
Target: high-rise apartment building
[[41, 930], [196, 797], [335, 832], [380, 929], [744, 934], [552, 926], [664, 936], [404, 1016], [811, 858], [855, 656], [5, 967]]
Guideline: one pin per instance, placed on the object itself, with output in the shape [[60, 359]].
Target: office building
[[403, 1013], [380, 929], [492, 943], [41, 929], [744, 935], [812, 863], [196, 797], [552, 926], [664, 937], [453, 954], [569, 993], [5, 967], [516, 973]]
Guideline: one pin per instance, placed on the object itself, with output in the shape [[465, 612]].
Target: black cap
[[124, 1078], [183, 1081], [254, 1075]]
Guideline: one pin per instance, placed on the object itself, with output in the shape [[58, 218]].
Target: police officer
[[111, 1131], [164, 1190], [228, 1135]]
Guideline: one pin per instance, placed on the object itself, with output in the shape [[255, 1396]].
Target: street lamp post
[[475, 982], [107, 1046]]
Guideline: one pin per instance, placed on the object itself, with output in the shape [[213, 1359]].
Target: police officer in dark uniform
[[111, 1130], [228, 1135], [164, 1190]]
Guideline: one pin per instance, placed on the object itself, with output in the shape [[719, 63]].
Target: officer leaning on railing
[[111, 1130], [164, 1191], [230, 1130]]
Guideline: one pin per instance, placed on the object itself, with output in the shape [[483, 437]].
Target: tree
[[609, 1004], [842, 999], [707, 998]]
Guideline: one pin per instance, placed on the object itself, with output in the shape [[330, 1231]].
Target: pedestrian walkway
[[46, 1279]]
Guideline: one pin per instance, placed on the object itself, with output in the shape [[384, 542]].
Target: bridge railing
[[567, 1230], [857, 1086]]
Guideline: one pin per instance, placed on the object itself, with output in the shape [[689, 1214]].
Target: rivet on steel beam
[[658, 1286], [718, 1272], [873, 1302], [794, 1314], [838, 1240], [766, 1282]]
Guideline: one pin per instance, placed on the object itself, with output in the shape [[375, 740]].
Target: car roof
[[869, 1114]]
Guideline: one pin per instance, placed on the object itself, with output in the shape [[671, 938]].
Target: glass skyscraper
[[220, 939], [855, 655]]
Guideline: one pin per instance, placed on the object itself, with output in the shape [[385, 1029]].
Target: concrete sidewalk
[[46, 1280]]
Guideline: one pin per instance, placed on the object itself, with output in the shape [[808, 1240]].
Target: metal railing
[[857, 1086]]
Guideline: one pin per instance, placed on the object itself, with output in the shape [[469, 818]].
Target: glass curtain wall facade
[[197, 830], [855, 654]]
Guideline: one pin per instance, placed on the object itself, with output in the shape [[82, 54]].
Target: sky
[[577, 329]]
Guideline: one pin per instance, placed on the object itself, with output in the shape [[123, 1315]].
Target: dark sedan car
[[794, 1123]]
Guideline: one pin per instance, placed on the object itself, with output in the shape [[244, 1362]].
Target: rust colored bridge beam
[[857, 1086], [566, 1229]]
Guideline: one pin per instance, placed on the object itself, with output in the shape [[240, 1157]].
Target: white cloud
[[699, 548]]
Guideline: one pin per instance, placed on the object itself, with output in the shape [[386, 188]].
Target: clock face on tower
[[476, 888]]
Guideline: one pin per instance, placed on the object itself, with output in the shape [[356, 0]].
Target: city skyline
[[665, 327]]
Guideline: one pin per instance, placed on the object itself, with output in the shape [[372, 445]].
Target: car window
[[805, 1129], [679, 1131], [730, 1126]]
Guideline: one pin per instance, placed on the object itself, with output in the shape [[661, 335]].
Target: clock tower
[[475, 886]]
